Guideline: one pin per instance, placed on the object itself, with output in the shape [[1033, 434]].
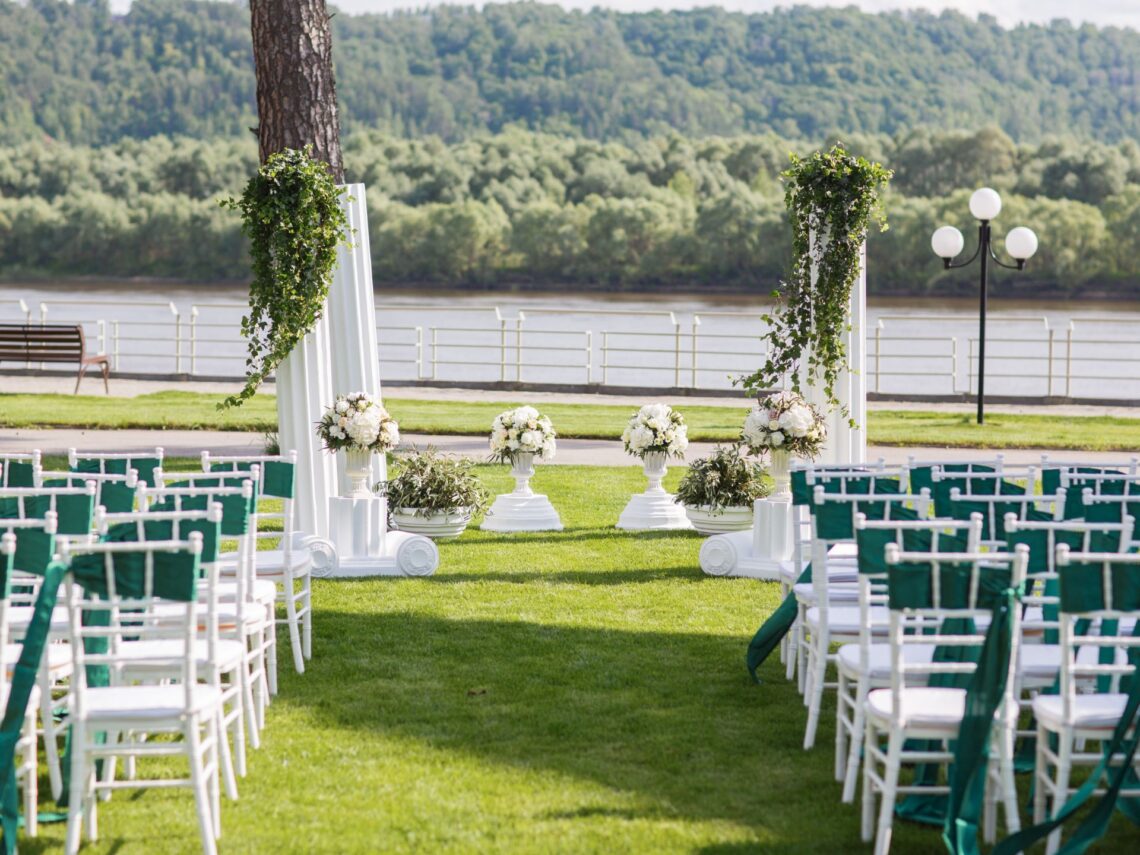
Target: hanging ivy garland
[[834, 196], [292, 216]]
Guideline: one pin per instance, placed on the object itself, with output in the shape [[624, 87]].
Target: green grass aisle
[[578, 692]]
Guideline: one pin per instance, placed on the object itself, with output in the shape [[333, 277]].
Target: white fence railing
[[1026, 356]]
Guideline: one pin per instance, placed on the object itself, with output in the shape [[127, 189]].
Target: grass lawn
[[583, 691], [587, 421]]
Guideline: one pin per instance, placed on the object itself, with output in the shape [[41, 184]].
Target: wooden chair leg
[[106, 376], [79, 379]]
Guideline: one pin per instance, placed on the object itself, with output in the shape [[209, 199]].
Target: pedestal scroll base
[[365, 547], [653, 510], [758, 554], [522, 512]]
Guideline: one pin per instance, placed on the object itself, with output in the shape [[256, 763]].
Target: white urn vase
[[654, 509], [781, 473], [522, 469], [358, 469]]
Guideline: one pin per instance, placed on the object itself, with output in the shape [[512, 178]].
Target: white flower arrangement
[[656, 427], [524, 430], [356, 422], [785, 422]]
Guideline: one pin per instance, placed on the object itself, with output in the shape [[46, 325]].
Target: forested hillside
[[520, 208], [523, 145], [74, 73]]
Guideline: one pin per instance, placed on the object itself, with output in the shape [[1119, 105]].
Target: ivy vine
[[832, 198], [292, 216]]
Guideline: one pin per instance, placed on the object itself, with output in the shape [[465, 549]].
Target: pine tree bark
[[296, 88]]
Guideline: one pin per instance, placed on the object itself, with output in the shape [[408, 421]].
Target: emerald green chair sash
[[145, 466]]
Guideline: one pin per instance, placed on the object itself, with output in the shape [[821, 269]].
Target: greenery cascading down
[[292, 216], [832, 199]]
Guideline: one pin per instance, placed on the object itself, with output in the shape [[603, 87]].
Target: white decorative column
[[770, 545], [304, 388], [844, 443], [352, 315], [359, 526]]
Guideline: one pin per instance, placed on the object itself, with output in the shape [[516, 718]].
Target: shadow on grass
[[671, 718], [571, 534]]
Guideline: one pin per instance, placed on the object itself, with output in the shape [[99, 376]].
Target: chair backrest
[[921, 535], [278, 476], [239, 518], [1052, 471], [117, 463], [74, 506], [920, 473], [19, 470], [1102, 482], [35, 542], [805, 475], [1042, 537], [936, 598], [1099, 591], [116, 493], [1105, 507], [115, 593], [995, 507]]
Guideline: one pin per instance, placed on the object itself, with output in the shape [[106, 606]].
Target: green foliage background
[[523, 144]]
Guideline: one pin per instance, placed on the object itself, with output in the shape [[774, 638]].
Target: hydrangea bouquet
[[357, 423], [656, 427], [521, 430], [785, 422]]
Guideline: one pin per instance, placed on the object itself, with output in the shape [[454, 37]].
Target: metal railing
[[1085, 358]]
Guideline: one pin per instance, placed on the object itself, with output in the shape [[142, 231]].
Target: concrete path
[[593, 452]]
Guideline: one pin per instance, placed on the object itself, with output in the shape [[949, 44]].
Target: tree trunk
[[296, 89]]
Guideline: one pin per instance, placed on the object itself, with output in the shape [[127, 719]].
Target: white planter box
[[433, 525], [723, 520]]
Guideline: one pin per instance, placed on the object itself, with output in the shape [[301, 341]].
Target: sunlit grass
[[581, 691], [190, 410]]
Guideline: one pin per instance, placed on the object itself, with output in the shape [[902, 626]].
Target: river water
[[1084, 350]]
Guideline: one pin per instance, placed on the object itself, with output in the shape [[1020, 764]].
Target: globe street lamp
[[947, 243]]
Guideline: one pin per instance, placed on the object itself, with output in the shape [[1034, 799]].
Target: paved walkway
[[596, 452], [122, 388]]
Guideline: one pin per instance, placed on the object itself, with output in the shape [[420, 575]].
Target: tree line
[[77, 73], [521, 207]]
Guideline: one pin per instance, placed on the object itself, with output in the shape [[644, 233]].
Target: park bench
[[51, 343]]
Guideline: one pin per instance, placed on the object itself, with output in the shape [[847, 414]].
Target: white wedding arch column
[[340, 356], [761, 552]]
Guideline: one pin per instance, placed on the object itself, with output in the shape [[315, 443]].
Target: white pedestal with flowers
[[654, 433], [783, 425], [358, 520], [517, 437]]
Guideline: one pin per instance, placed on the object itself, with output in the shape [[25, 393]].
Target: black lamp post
[[948, 242]]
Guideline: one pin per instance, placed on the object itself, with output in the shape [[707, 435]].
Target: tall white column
[[352, 314], [844, 443], [304, 389]]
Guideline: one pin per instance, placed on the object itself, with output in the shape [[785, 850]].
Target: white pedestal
[[522, 512], [758, 554], [365, 547], [653, 510]]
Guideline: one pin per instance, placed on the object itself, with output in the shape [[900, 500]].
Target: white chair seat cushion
[[1089, 711], [845, 619], [836, 593], [228, 652], [147, 703], [270, 562], [879, 658], [922, 706], [264, 591], [841, 561]]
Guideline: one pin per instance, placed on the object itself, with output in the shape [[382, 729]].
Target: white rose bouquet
[[357, 422], [656, 427], [785, 421], [523, 429]]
